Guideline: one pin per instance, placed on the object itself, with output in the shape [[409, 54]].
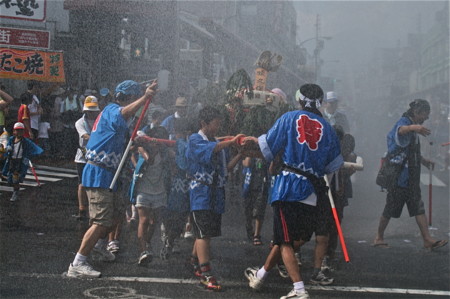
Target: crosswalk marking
[[236, 283], [45, 174], [9, 189], [68, 170], [52, 173]]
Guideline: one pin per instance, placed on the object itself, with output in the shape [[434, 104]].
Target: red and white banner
[[28, 38]]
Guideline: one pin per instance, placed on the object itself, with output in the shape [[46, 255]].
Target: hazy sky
[[357, 27]]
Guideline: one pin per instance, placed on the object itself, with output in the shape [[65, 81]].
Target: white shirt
[[83, 126], [43, 129], [34, 107], [18, 150]]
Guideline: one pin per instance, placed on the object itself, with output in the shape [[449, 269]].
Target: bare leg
[[202, 249], [421, 220], [82, 199], [289, 260], [320, 250], [258, 226], [273, 258], [143, 226], [92, 235], [379, 239]]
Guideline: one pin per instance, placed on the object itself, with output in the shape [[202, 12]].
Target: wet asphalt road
[[38, 240]]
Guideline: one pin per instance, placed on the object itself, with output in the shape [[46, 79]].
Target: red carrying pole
[[34, 173], [130, 143], [148, 139], [430, 199], [338, 224]]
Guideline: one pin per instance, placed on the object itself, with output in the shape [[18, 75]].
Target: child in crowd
[[207, 167], [18, 151], [148, 189], [178, 202]]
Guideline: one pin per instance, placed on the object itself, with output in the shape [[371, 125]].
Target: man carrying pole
[[307, 144], [104, 152]]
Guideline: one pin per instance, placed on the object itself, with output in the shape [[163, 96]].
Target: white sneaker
[[294, 295], [82, 270], [113, 246], [325, 264], [14, 197], [145, 258], [282, 270], [103, 255], [188, 234], [253, 281], [321, 279]]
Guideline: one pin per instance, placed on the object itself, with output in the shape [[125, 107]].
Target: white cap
[[19, 126], [90, 104], [331, 97]]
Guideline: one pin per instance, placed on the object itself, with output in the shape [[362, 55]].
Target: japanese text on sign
[[27, 65], [18, 37], [32, 10]]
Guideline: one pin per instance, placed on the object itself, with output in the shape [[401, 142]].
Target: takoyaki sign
[[47, 66]]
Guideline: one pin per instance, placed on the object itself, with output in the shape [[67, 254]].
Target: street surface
[[39, 238]]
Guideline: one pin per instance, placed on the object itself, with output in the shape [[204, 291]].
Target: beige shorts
[[105, 207]]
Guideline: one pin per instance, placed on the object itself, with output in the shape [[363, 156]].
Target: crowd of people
[[177, 169]]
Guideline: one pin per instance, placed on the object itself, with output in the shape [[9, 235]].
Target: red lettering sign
[[24, 38]]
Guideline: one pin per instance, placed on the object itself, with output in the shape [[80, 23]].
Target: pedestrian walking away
[[306, 144]]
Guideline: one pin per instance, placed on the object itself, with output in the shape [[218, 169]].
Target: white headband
[[300, 97]]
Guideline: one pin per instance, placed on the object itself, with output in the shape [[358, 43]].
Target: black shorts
[[80, 167], [206, 224], [397, 197], [295, 221]]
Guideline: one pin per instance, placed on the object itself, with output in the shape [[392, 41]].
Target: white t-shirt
[[33, 107], [83, 126], [17, 150], [43, 129]]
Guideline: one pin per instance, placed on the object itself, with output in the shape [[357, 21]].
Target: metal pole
[[130, 143], [430, 191]]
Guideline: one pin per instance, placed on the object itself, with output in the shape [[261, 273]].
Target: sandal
[[257, 241]]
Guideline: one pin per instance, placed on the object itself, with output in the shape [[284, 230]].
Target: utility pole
[[316, 50]]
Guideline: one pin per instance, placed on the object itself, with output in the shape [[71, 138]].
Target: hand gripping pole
[[130, 143]]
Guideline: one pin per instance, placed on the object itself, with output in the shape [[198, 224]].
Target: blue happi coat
[[207, 171], [30, 150], [400, 143], [178, 200], [105, 147], [309, 143]]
